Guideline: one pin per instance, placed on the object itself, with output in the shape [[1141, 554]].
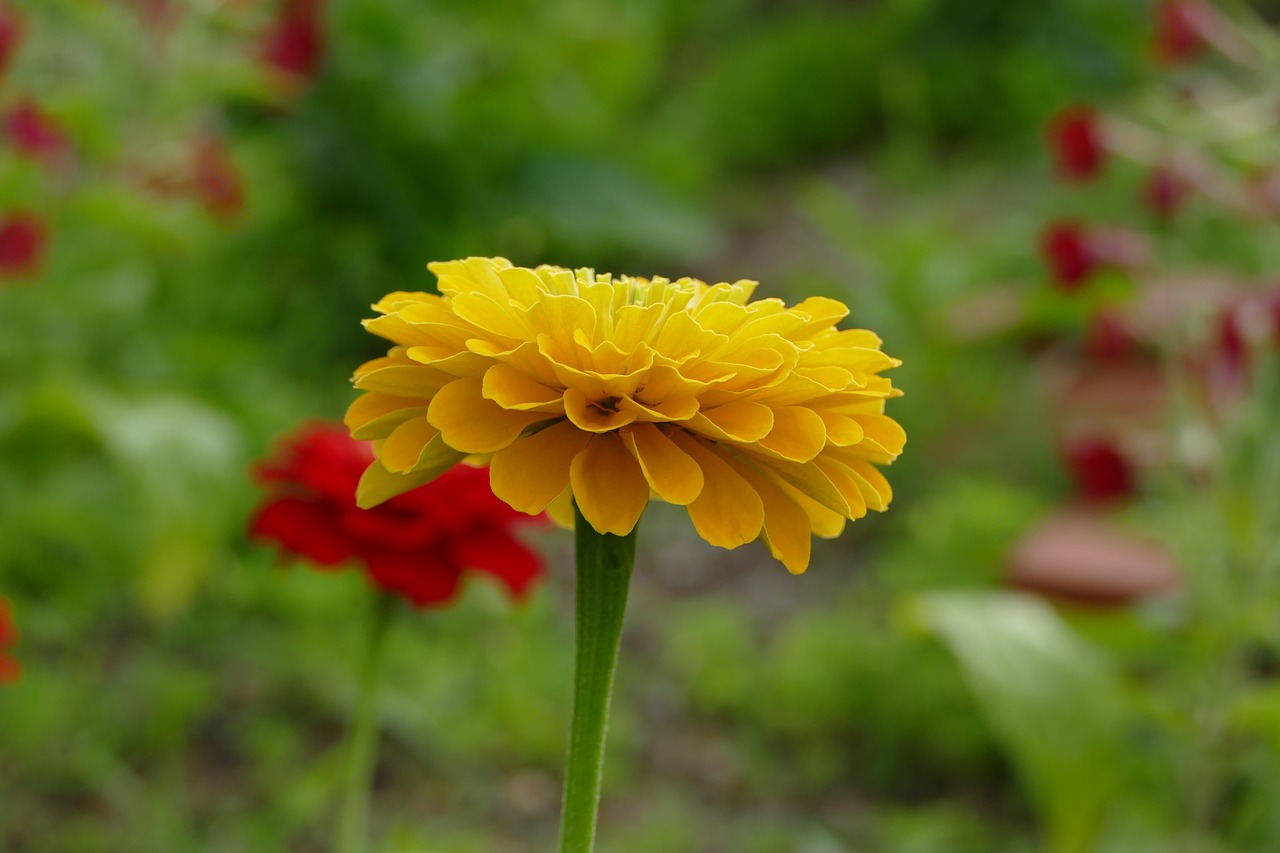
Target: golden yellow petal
[[513, 389], [532, 471], [402, 448], [400, 379], [810, 480], [727, 512], [470, 423], [561, 511], [798, 434], [843, 478], [739, 420], [600, 414], [374, 415], [786, 525], [875, 488], [842, 430], [485, 312], [672, 473], [608, 485], [377, 484]]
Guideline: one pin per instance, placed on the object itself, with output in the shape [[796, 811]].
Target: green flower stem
[[604, 564], [353, 820]]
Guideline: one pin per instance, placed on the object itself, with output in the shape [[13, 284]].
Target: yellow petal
[[875, 488], [810, 480], [374, 415], [727, 512], [531, 472], [842, 430], [377, 484], [671, 472], [740, 420], [596, 415], [786, 525], [798, 433], [513, 389], [470, 423], [844, 479], [608, 485], [400, 379], [561, 511], [403, 447]]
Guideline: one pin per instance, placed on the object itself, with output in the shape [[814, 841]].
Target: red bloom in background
[[295, 43], [10, 36], [1164, 192], [34, 133], [416, 545], [1100, 472], [10, 669], [216, 178], [1108, 337], [1076, 142], [1066, 248], [23, 237], [1179, 30]]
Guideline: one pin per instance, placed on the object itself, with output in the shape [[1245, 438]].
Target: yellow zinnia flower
[[608, 390]]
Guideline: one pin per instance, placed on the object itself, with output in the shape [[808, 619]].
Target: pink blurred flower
[[23, 237], [1075, 138], [34, 132], [1180, 30]]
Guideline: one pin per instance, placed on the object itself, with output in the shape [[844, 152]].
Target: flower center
[[607, 406]]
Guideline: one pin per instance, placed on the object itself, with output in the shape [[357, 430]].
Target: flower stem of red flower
[[604, 564], [353, 820]]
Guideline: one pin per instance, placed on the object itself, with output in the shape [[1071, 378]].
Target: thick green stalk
[[353, 821], [604, 564]]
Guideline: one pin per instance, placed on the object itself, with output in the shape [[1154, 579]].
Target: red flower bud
[[1101, 474], [1066, 249], [1164, 192], [295, 43], [34, 133], [22, 243], [1076, 141]]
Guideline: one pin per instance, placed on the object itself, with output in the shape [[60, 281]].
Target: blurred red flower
[[23, 237], [1164, 192], [216, 178], [1179, 30], [1066, 249], [416, 545], [1108, 337], [1100, 472], [34, 133], [295, 43], [1076, 141], [10, 36], [10, 669]]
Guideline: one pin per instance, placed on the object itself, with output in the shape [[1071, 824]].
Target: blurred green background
[[218, 224]]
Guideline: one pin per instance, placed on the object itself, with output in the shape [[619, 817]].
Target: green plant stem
[[353, 821], [604, 564]]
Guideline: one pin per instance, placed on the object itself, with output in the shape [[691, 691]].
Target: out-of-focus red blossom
[[216, 178], [1109, 338], [1164, 192], [1100, 472], [1180, 30], [10, 669], [1066, 249], [1076, 141], [23, 237], [34, 132], [294, 45], [416, 545], [11, 29]]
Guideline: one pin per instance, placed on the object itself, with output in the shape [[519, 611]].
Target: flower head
[[1076, 140], [1164, 191], [294, 46], [22, 242], [416, 545], [1101, 473], [35, 133], [10, 669], [1180, 29], [604, 390]]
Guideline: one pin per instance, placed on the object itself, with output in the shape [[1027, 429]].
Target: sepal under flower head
[[604, 391]]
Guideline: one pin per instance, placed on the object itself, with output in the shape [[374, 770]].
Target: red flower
[[1076, 142], [34, 133], [295, 43], [22, 242], [10, 36], [1100, 472], [1108, 337], [1164, 192], [10, 669], [416, 545], [216, 179], [1179, 30], [1066, 248]]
